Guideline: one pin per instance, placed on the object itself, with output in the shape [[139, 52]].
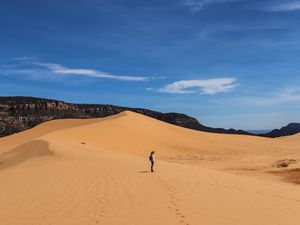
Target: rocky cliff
[[21, 113], [290, 129]]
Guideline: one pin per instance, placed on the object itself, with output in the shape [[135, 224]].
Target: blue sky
[[229, 63]]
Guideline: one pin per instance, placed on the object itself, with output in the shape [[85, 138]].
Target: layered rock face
[[21, 113]]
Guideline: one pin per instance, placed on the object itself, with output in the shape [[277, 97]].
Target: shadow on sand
[[144, 171]]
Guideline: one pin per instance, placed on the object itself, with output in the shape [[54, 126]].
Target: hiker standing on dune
[[152, 159]]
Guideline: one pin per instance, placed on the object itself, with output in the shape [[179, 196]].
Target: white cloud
[[62, 70], [284, 6], [210, 86], [197, 5]]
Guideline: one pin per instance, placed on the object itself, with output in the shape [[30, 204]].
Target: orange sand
[[85, 172]]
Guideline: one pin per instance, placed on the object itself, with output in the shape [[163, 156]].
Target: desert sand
[[85, 172]]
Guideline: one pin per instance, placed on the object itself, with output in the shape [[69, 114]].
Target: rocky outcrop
[[284, 163], [21, 113], [291, 129]]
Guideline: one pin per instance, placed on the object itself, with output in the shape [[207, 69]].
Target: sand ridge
[[97, 172]]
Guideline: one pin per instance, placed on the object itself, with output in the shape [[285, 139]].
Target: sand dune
[[24, 152], [40, 130], [70, 172]]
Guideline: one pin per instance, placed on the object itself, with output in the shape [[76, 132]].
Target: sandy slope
[[83, 172], [40, 130]]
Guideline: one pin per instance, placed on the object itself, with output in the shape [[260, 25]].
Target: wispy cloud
[[24, 58], [279, 6], [266, 5], [62, 70], [210, 86], [285, 6], [197, 5], [206, 32], [291, 94], [59, 69], [279, 97]]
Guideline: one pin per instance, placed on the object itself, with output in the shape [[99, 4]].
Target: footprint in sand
[[98, 210], [174, 202]]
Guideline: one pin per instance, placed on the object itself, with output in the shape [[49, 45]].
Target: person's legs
[[152, 164]]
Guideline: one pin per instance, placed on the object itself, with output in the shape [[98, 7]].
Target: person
[[152, 159]]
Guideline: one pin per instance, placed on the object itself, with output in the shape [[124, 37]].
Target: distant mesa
[[21, 113]]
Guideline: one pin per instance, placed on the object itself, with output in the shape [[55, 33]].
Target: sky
[[228, 63]]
